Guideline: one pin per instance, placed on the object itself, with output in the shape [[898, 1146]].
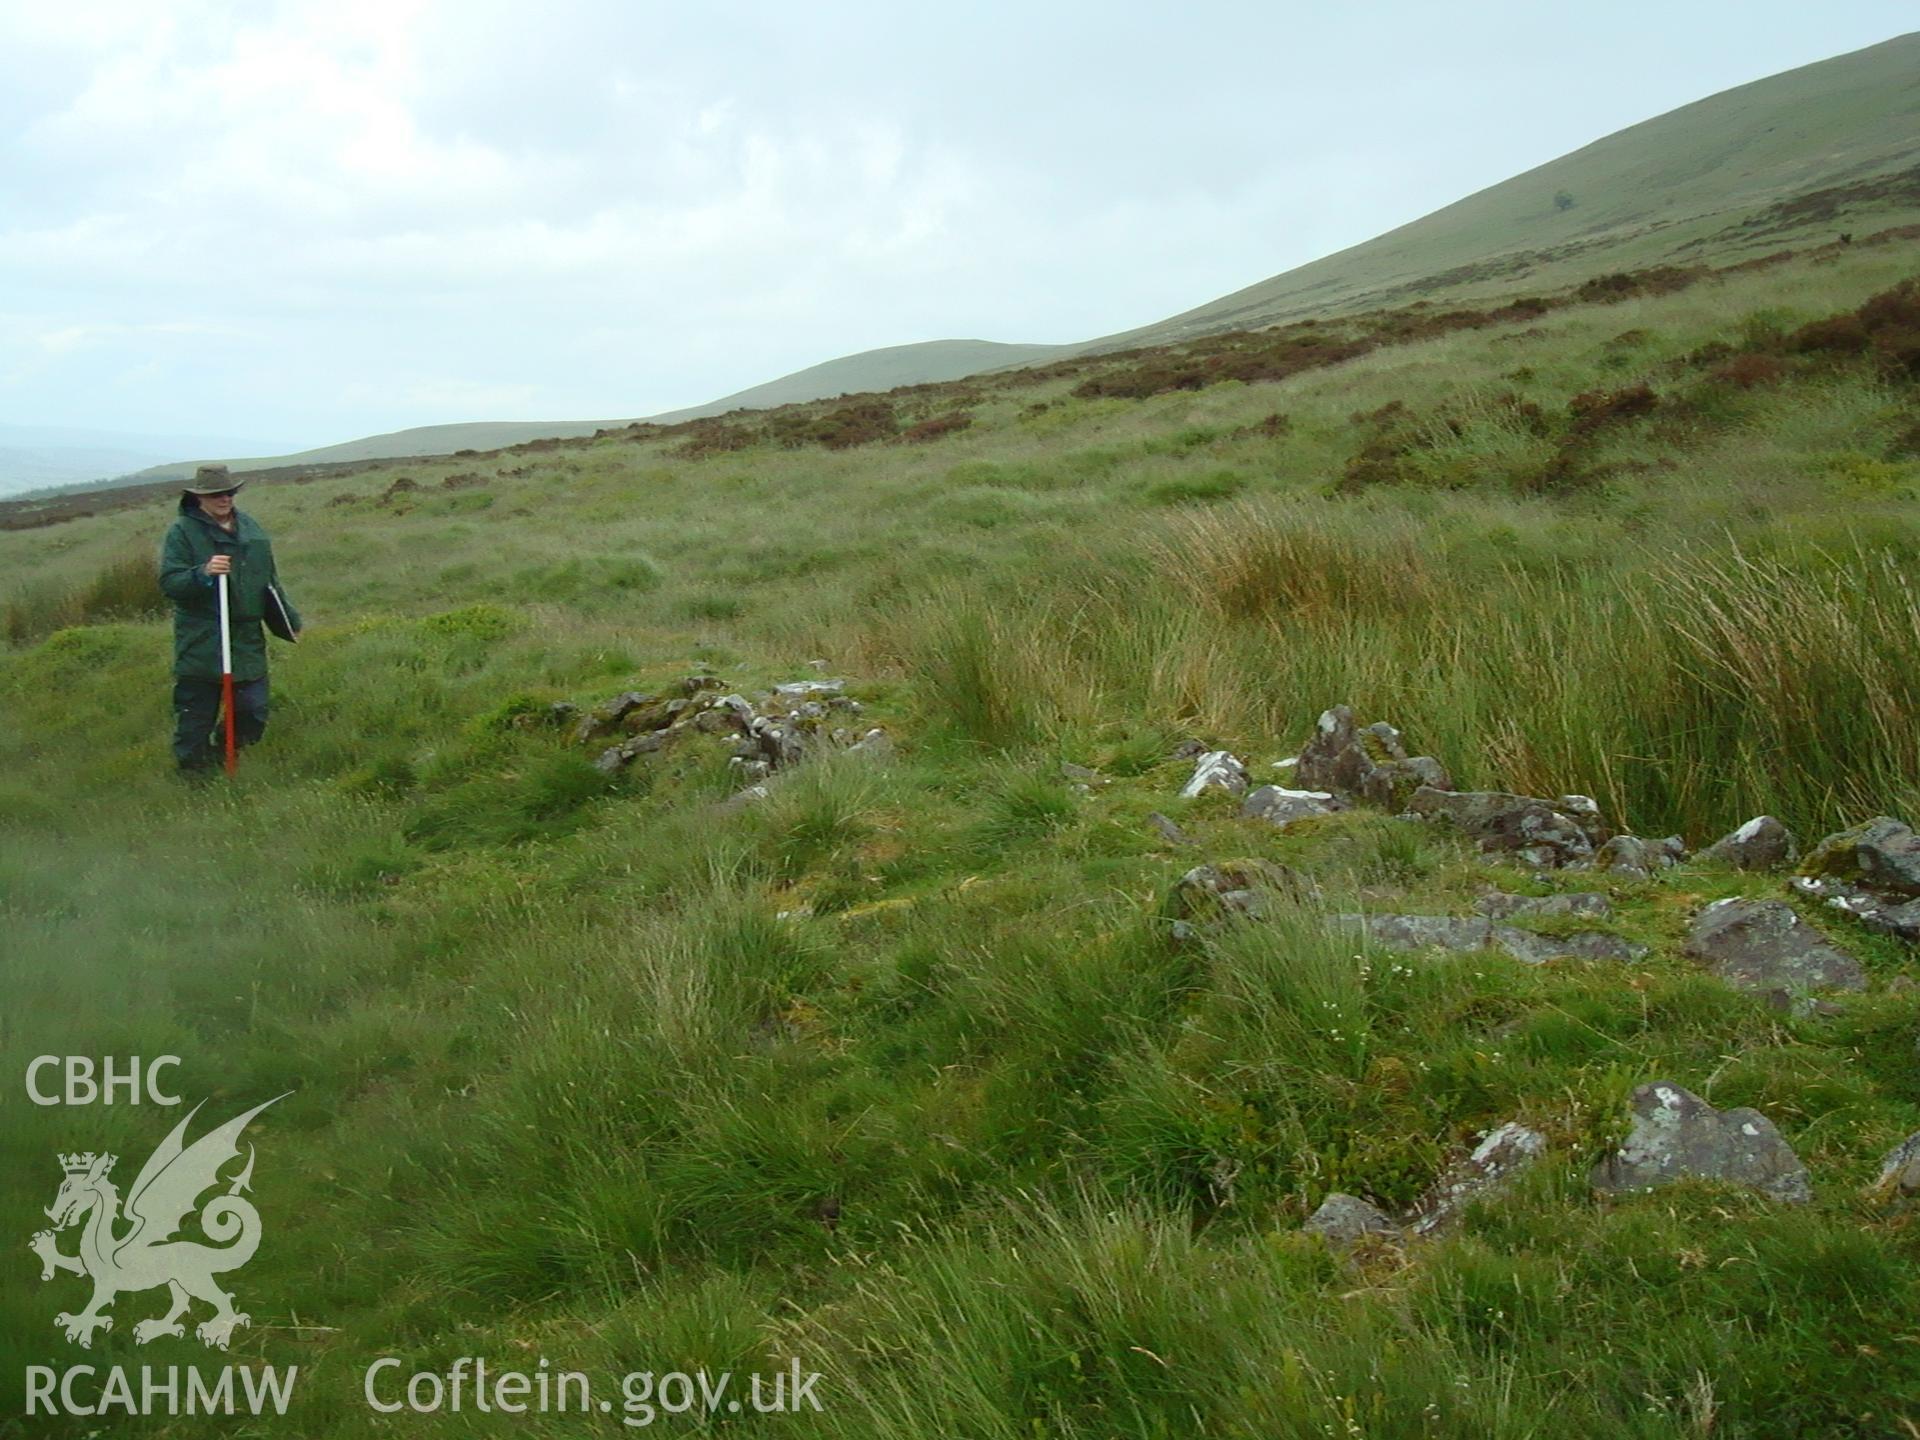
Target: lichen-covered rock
[[1344, 1220], [1899, 919], [1250, 888], [1900, 1171], [1217, 770], [1504, 1153], [1463, 934], [1882, 855], [1763, 843], [1527, 828], [1637, 858], [1676, 1135], [1280, 807], [1762, 945], [1496, 905], [1366, 763]]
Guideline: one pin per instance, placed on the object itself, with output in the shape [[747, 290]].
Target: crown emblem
[[80, 1164]]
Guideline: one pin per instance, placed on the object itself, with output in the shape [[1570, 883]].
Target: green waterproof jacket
[[191, 541]]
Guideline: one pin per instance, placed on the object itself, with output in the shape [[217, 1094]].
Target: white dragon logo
[[146, 1256]]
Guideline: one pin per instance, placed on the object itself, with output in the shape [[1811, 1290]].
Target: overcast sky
[[312, 221]]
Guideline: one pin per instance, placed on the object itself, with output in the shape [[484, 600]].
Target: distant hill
[[1788, 160], [926, 363], [398, 445]]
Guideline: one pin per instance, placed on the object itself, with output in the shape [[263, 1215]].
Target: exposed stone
[[808, 689], [1763, 945], [1496, 905], [1217, 769], [1900, 920], [1882, 855], [1506, 1151], [1640, 859], [1344, 1220], [1900, 1171], [1677, 1135], [1167, 830], [743, 799], [1238, 887], [1280, 807], [1464, 934], [1189, 750], [1763, 843], [1537, 949], [1528, 828], [876, 744], [603, 718], [1369, 763], [1082, 779], [694, 684]]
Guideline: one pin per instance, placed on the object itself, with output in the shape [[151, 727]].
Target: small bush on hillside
[[126, 587], [950, 423]]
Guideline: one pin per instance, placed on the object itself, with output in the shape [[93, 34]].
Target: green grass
[[900, 1071]]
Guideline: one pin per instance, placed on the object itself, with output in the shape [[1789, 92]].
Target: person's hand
[[219, 565]]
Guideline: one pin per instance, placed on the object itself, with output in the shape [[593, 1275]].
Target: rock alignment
[[792, 723], [1539, 832], [1677, 1135], [1463, 934], [1364, 763]]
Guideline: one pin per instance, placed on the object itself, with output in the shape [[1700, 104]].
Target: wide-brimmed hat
[[213, 480]]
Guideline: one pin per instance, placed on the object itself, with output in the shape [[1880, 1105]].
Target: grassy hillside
[[902, 1070], [1794, 157]]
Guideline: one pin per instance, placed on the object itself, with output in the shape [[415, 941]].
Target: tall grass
[[1690, 688]]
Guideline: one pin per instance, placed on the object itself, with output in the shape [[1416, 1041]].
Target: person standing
[[211, 538]]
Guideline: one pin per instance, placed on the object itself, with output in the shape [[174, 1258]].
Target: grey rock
[[1217, 769], [876, 744], [1882, 855], [1885, 917], [1763, 843], [1463, 934], [1528, 828], [1496, 905], [1280, 807], [1677, 1135], [743, 800], [1081, 777], [1502, 1154], [1586, 945], [1369, 763], [808, 689], [603, 718], [1344, 1220], [1900, 1171], [1167, 830], [1637, 858], [1762, 945], [1189, 750], [1250, 888]]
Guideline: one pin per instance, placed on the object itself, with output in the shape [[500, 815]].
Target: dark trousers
[[199, 735]]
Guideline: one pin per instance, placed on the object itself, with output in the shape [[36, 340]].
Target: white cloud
[[352, 215]]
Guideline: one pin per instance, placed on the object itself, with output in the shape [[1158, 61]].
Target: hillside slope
[[1701, 182], [929, 362]]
